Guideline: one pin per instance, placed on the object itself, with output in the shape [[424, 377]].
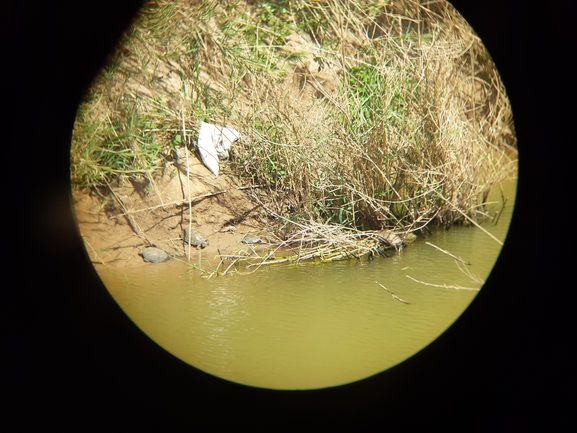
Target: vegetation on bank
[[369, 115]]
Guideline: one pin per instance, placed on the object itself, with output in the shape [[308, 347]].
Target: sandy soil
[[115, 227], [153, 211]]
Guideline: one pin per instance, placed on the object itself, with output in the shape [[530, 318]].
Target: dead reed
[[357, 116]]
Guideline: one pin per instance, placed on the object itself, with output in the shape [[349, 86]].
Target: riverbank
[[359, 122], [118, 222]]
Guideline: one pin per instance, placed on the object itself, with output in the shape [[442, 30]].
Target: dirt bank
[[119, 222]]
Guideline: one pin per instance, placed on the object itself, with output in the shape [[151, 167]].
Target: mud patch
[[117, 223]]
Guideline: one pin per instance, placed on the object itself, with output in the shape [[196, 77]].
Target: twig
[[394, 295], [242, 188], [177, 202], [231, 265], [151, 180], [130, 220], [502, 208], [443, 286], [188, 187], [469, 274], [258, 265], [95, 253], [469, 219], [449, 254]]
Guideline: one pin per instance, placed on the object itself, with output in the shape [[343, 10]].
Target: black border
[[73, 360]]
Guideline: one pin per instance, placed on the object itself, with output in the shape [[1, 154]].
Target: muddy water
[[311, 326]]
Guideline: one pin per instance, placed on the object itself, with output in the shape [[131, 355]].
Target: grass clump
[[367, 114]]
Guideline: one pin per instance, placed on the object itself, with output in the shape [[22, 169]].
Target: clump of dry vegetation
[[364, 115]]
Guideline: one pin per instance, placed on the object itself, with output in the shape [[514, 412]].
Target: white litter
[[214, 143]]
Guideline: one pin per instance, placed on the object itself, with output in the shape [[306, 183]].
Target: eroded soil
[[117, 225]]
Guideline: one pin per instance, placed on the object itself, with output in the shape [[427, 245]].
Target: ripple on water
[[310, 326]]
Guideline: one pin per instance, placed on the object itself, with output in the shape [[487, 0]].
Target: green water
[[311, 326]]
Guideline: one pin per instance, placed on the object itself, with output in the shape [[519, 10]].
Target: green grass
[[367, 114]]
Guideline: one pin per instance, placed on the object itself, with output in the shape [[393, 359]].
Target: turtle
[[197, 239], [251, 239], [409, 238], [154, 255], [391, 238]]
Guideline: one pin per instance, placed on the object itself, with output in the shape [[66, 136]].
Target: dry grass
[[361, 115], [414, 127], [312, 242]]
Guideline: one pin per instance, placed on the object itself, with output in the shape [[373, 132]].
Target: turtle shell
[[197, 239], [153, 255], [391, 238], [251, 239]]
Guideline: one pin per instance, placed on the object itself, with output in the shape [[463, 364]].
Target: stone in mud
[[153, 255]]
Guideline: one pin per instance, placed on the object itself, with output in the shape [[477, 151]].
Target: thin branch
[[95, 253], [394, 295], [443, 286], [177, 202], [469, 219], [469, 274], [188, 187], [449, 254], [130, 220], [504, 199]]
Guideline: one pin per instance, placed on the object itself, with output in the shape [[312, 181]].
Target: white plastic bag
[[214, 143], [225, 140]]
